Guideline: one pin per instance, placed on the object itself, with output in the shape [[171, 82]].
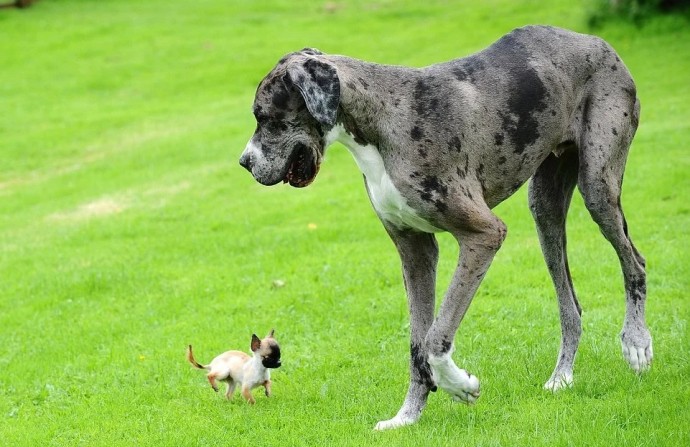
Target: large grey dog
[[441, 146]]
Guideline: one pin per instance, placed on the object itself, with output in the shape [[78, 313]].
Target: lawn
[[128, 231]]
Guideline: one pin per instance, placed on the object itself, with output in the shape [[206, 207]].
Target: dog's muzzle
[[271, 363], [246, 161]]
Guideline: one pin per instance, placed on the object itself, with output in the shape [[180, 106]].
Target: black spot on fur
[[417, 133], [501, 160], [426, 103], [434, 191], [498, 139], [431, 183], [281, 98], [445, 346], [614, 131], [422, 371], [455, 144], [465, 69], [638, 289], [422, 152], [526, 93]]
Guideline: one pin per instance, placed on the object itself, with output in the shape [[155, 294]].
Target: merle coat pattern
[[441, 146]]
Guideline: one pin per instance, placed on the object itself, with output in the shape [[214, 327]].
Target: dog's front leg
[[477, 250], [419, 256]]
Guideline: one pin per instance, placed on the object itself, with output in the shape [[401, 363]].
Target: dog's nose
[[246, 161]]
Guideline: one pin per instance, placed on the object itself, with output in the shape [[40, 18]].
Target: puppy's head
[[295, 105], [267, 349]]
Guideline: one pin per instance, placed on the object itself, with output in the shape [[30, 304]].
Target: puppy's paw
[[637, 347], [396, 422], [461, 385]]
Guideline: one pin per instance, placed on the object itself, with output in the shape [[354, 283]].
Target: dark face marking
[[272, 359]]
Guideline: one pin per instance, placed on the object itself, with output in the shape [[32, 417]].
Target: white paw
[[461, 385], [559, 381], [396, 422], [637, 348]]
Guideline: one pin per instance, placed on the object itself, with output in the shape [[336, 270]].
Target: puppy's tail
[[190, 358]]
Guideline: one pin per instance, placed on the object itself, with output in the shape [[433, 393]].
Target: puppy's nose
[[246, 161]]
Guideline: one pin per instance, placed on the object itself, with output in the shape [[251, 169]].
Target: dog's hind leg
[[610, 122], [419, 256], [212, 380], [550, 191]]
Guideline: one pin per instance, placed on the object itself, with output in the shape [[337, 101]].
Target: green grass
[[128, 230]]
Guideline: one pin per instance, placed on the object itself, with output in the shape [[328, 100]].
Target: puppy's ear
[[270, 334], [256, 343], [318, 83]]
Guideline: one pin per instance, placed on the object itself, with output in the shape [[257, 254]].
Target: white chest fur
[[385, 197]]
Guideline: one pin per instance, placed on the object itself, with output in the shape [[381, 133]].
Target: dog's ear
[[318, 83], [256, 343], [311, 51], [270, 334]]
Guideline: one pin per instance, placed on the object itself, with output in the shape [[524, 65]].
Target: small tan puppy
[[236, 367]]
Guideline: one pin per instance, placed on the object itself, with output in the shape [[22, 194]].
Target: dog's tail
[[190, 358]]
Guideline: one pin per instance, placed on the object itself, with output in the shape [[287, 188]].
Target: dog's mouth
[[304, 166]]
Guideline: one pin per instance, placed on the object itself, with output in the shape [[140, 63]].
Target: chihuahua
[[236, 367]]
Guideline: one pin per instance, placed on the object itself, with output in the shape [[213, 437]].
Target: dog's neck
[[358, 97]]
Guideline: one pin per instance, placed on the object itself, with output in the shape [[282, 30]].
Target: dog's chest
[[387, 200]]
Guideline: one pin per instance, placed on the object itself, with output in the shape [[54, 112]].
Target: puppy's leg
[[550, 192], [231, 389], [212, 380], [267, 388], [480, 234], [419, 256], [247, 394]]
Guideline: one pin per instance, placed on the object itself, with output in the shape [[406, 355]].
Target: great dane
[[440, 146]]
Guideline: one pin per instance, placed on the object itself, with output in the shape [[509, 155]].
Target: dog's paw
[[396, 422], [461, 385], [637, 348], [559, 381]]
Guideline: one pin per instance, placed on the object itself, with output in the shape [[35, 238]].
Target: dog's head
[[267, 349], [295, 105]]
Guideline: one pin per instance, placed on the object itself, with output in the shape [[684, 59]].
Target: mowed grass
[[128, 230]]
